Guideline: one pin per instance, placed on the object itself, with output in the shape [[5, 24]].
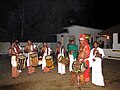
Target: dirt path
[[54, 81]]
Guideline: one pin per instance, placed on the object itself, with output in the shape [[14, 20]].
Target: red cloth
[[87, 72], [46, 69], [87, 49], [31, 70], [15, 72]]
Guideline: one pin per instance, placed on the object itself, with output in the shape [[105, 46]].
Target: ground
[[54, 81]]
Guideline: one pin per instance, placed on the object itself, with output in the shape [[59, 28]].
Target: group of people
[[91, 58]]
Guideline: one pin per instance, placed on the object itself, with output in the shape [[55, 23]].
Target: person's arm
[[92, 55], [10, 52]]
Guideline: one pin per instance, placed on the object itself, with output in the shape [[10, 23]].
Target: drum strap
[[61, 51], [16, 49]]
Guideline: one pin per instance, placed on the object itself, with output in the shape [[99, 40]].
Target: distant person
[[90, 44], [102, 44], [96, 56]]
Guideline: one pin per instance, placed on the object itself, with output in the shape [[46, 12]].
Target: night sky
[[39, 19]]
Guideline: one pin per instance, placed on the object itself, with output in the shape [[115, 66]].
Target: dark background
[[38, 20]]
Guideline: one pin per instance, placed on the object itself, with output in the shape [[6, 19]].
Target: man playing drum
[[18, 50], [30, 48], [13, 54], [60, 52], [45, 50], [84, 52]]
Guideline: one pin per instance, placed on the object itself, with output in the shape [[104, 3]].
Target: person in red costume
[[84, 53]]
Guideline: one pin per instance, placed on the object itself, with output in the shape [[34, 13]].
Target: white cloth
[[43, 59], [61, 67], [97, 76], [13, 61], [28, 59], [28, 55], [71, 62]]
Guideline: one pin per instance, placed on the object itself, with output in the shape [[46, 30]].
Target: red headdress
[[82, 37]]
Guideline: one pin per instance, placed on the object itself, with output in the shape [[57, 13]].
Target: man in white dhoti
[[18, 50], [45, 51], [73, 52], [60, 51], [13, 54], [30, 48], [96, 57]]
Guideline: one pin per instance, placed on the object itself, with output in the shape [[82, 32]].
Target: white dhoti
[[44, 61], [61, 67], [71, 62], [47, 52], [28, 59], [97, 77], [13, 61]]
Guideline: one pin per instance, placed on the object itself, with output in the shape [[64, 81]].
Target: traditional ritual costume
[[72, 56], [61, 67], [86, 59], [31, 69], [46, 51], [97, 76]]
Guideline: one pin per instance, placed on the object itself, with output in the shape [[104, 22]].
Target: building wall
[[77, 30], [115, 41]]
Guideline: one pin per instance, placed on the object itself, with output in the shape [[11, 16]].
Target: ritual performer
[[13, 54], [73, 52], [84, 52], [60, 53], [96, 55], [46, 51], [30, 48]]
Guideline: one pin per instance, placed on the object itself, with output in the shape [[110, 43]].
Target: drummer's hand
[[70, 52]]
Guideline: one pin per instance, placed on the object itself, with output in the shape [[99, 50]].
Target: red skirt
[[87, 72]]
